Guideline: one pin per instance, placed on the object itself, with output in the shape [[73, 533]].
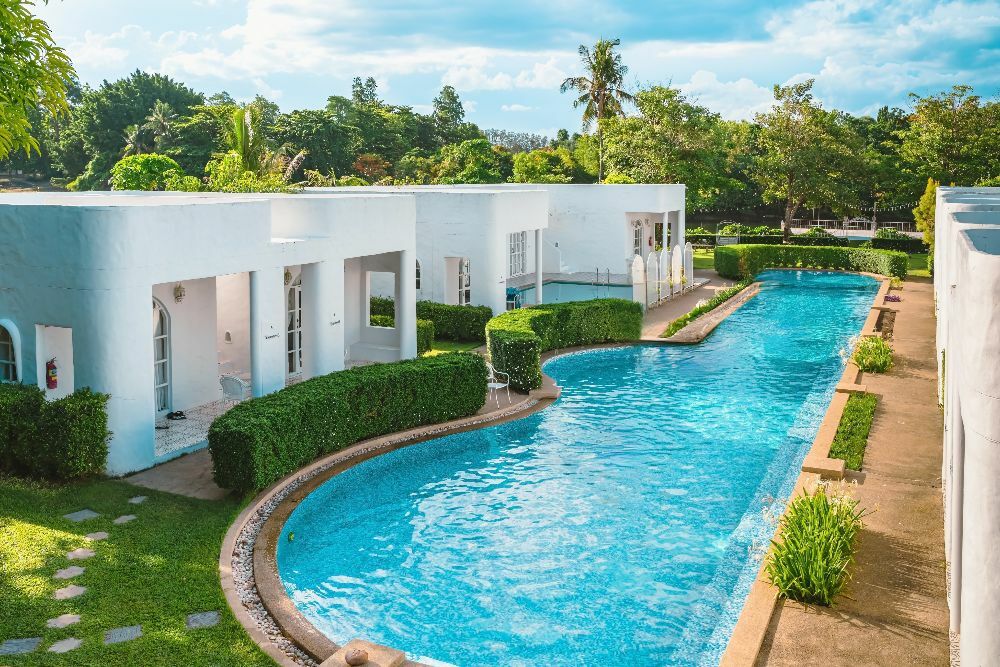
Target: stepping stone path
[[137, 500], [19, 646], [69, 572], [70, 591], [63, 621], [65, 645], [205, 619], [96, 537], [82, 515], [124, 519], [119, 635], [80, 554]]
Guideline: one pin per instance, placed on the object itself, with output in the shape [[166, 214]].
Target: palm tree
[[134, 145], [160, 122], [244, 136], [602, 89]]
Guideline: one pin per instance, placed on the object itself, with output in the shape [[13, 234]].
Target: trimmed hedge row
[[425, 330], [60, 440], [517, 338], [458, 323], [263, 439], [720, 298], [908, 245], [745, 261]]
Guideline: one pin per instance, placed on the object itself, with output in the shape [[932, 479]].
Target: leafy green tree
[[135, 143], [472, 161], [601, 90], [105, 113], [330, 144], [882, 179], [244, 135], [516, 142], [34, 73], [544, 165], [149, 171], [671, 141], [953, 137], [371, 167], [808, 156], [415, 168], [449, 119], [923, 214], [227, 173]]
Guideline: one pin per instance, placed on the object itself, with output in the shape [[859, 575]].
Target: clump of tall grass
[[873, 355], [810, 562]]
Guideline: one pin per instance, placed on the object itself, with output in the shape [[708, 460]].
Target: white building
[[150, 297], [472, 240], [967, 295], [589, 228]]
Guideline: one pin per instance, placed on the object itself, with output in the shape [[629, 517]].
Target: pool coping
[[748, 634], [248, 558]]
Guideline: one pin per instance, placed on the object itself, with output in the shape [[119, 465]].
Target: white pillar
[[267, 330], [406, 304], [322, 318], [538, 266]]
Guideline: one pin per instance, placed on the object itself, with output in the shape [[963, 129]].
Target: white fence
[[662, 276]]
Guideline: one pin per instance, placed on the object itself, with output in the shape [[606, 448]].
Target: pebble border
[[242, 557]]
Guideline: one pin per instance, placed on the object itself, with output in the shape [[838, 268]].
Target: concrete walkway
[[657, 319], [894, 612]]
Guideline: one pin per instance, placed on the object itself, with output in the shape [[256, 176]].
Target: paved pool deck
[[894, 611], [657, 319]]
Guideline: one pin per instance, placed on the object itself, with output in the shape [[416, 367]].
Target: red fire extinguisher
[[51, 374]]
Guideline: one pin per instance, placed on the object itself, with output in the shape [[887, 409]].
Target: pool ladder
[[597, 281]]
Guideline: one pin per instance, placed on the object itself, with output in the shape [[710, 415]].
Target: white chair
[[494, 383], [234, 388]]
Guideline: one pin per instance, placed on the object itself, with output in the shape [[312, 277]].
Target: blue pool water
[[621, 525], [557, 292]]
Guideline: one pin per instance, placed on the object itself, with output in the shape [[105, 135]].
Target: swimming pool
[[623, 523], [559, 292]]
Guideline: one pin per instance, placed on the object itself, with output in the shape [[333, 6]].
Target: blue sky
[[507, 58]]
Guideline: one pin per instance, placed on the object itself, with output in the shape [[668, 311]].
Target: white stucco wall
[[89, 262], [967, 295]]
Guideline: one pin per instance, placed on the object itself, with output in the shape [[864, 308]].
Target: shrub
[[263, 439], [810, 562], [517, 338], [458, 323], [852, 433], [720, 298], [739, 229], [148, 171], [60, 440], [906, 244], [744, 261], [873, 355]]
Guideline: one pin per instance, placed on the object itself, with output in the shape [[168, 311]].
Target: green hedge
[[263, 439], [851, 438], [458, 323], [720, 298], [745, 261], [60, 440], [425, 330], [517, 338], [908, 245]]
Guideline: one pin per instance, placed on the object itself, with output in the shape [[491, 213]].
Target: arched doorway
[[161, 358]]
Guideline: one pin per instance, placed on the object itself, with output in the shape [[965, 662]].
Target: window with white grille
[[518, 253]]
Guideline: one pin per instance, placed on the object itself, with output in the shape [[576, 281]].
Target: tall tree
[[601, 90], [35, 73], [807, 155], [953, 137], [160, 123]]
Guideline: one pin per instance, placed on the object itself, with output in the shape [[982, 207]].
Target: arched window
[[8, 360], [418, 274], [294, 318], [161, 357]]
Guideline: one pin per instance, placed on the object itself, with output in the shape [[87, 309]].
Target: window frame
[[8, 364]]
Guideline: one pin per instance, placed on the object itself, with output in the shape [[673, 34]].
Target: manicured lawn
[[152, 572], [852, 433], [704, 259], [917, 265], [442, 346]]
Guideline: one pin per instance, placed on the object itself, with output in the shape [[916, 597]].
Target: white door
[[295, 328], [464, 283], [161, 358]]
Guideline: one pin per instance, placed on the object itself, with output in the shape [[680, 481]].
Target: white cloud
[[266, 90], [474, 78], [733, 100], [541, 75], [515, 107]]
